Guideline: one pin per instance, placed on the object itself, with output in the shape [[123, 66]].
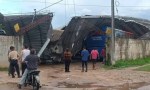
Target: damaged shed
[[34, 30], [80, 27]]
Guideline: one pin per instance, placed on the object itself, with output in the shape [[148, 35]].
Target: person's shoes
[[85, 70], [94, 68], [40, 86], [19, 76], [13, 76], [19, 86], [68, 71]]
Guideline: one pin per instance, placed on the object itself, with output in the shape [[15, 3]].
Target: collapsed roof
[[79, 28], [56, 35], [35, 37]]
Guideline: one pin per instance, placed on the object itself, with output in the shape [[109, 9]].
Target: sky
[[66, 9]]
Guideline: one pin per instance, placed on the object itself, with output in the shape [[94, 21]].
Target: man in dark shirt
[[67, 59], [32, 64]]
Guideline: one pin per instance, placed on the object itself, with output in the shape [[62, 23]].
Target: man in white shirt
[[25, 52]]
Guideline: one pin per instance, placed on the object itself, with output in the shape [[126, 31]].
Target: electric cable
[[14, 1], [74, 7], [49, 5], [117, 5], [65, 12]]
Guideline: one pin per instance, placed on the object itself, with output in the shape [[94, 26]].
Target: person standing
[[9, 69], [31, 61], [103, 54], [85, 55], [67, 58], [25, 52], [13, 56], [94, 56]]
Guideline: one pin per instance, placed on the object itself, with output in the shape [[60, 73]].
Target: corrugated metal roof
[[35, 37], [79, 27]]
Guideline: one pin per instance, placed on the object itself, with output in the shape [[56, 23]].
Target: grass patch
[[3, 69], [130, 63], [144, 68]]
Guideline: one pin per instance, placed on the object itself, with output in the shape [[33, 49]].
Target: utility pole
[[34, 15], [113, 33]]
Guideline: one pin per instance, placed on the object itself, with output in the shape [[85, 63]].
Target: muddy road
[[53, 77]]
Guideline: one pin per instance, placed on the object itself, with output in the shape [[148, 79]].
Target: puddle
[[133, 86], [53, 76], [144, 88], [85, 85], [13, 86], [126, 86], [58, 71], [138, 85], [9, 86]]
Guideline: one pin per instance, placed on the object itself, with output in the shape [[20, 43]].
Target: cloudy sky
[[66, 9]]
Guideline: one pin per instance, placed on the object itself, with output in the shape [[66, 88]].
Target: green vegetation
[[130, 63], [3, 69], [144, 68]]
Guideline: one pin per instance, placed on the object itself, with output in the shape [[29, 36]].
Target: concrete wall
[[131, 49], [5, 43]]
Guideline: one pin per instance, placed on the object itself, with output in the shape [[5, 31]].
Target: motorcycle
[[33, 79]]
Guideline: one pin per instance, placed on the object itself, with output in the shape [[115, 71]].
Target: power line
[[38, 10], [45, 3], [117, 5], [74, 7], [25, 13], [49, 5], [66, 12], [72, 4], [109, 6]]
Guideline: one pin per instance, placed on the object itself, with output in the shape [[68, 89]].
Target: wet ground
[[53, 77], [87, 86]]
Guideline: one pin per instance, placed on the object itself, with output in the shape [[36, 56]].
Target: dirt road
[[53, 77]]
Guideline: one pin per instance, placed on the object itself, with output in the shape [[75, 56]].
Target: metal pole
[[47, 41], [113, 33], [34, 15]]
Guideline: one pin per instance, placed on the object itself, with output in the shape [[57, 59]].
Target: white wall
[[5, 43], [131, 48]]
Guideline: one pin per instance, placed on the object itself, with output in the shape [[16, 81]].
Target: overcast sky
[[66, 9]]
